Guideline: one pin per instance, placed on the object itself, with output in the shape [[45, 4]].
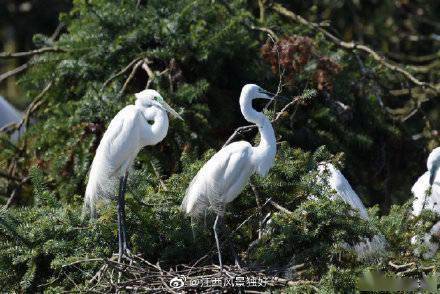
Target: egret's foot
[[125, 255]]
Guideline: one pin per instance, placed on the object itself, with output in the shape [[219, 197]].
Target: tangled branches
[[138, 274]]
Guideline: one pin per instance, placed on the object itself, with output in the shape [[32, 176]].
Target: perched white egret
[[366, 249], [128, 132], [225, 175], [8, 115], [339, 183], [426, 193], [426, 190]]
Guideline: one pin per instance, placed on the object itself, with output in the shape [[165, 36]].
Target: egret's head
[[251, 91], [151, 101], [433, 164]]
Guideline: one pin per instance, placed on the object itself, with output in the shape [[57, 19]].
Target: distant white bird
[[225, 175], [426, 190], [366, 249], [426, 193], [128, 132], [8, 115], [339, 183]]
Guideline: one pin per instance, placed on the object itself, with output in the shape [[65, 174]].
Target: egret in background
[[225, 175], [8, 115], [426, 190], [128, 132], [426, 193], [339, 183], [366, 249]]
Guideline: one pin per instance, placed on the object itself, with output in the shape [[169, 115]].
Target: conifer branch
[[352, 46]]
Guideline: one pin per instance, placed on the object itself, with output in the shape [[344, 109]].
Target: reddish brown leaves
[[293, 53]]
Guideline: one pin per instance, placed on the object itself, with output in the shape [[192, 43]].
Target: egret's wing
[[8, 114], [339, 183], [115, 152], [220, 180], [350, 197], [425, 196]]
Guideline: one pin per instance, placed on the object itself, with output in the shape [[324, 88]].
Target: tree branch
[[4, 55], [121, 72], [15, 71], [351, 46]]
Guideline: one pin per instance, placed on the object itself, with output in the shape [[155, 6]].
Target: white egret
[[225, 175], [426, 190], [426, 193], [8, 115], [339, 183], [128, 132], [367, 248]]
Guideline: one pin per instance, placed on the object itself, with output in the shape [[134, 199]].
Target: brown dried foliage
[[323, 77], [293, 53]]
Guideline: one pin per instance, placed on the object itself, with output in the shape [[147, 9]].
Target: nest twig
[[140, 275]]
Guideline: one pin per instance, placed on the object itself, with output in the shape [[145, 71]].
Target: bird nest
[[139, 275]]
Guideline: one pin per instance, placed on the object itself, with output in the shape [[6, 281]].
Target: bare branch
[[130, 77], [351, 46], [121, 72], [5, 55], [15, 71]]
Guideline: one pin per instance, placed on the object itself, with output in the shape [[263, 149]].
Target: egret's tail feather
[[101, 184]]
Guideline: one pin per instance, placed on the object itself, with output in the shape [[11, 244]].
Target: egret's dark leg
[[123, 222], [215, 227], [119, 208]]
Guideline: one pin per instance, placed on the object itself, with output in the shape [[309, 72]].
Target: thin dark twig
[[352, 46]]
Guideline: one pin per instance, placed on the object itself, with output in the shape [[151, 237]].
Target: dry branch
[[4, 55], [143, 276], [351, 46], [121, 72], [15, 71]]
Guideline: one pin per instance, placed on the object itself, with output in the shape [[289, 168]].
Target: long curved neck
[[159, 128], [266, 149], [264, 125]]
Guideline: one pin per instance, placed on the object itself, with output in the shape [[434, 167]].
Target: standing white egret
[[426, 193], [128, 132], [225, 175], [367, 248]]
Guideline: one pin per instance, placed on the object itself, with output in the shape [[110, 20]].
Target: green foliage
[[201, 53]]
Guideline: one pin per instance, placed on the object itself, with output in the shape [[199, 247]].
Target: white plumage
[[426, 193], [225, 175], [8, 115], [128, 132], [339, 183], [220, 180], [368, 249]]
